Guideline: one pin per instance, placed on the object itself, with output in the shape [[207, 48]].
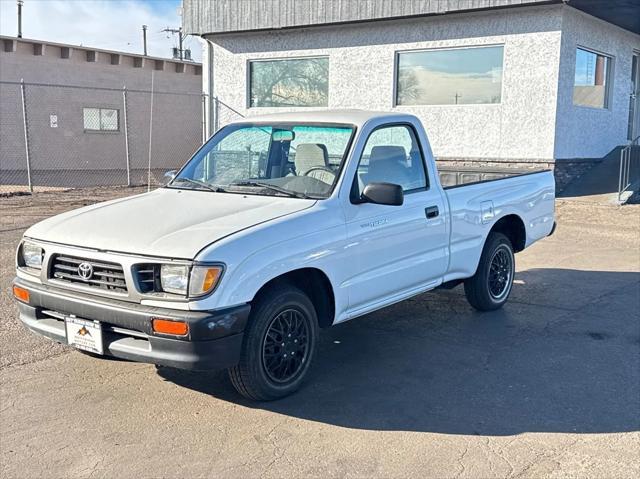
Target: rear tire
[[490, 287], [279, 345]]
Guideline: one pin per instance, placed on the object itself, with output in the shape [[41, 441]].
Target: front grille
[[105, 275], [147, 276]]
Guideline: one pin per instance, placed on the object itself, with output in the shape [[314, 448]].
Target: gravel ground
[[17, 213], [547, 387]]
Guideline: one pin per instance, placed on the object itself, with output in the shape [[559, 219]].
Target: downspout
[[208, 86]]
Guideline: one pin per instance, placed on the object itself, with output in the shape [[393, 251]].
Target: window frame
[[101, 130], [353, 194], [609, 75], [273, 59], [396, 71]]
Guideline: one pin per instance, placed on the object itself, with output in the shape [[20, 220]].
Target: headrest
[[388, 153], [310, 155]]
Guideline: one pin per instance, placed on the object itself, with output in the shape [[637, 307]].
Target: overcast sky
[[110, 24]]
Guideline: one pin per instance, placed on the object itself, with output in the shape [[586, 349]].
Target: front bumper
[[214, 340]]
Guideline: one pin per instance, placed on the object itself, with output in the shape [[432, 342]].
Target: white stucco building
[[497, 83]]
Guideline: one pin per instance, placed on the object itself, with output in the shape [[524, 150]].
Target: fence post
[[126, 134], [150, 135], [620, 174], [216, 110], [204, 118], [26, 134]]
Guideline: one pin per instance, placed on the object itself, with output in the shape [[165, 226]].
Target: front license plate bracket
[[84, 334]]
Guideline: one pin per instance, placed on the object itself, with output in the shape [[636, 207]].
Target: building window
[[100, 119], [289, 83], [591, 85], [454, 76]]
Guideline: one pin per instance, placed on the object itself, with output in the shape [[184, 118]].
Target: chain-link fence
[[62, 136]]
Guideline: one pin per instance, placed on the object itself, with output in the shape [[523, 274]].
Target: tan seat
[[310, 155], [388, 164]]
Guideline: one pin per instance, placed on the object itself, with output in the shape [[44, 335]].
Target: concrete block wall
[[61, 80], [476, 169]]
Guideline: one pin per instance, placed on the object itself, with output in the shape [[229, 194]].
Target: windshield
[[286, 160]]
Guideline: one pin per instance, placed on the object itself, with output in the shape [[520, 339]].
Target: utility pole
[[181, 37], [456, 97], [144, 39], [20, 3]]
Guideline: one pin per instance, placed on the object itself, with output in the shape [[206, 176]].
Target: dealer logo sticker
[[83, 332]]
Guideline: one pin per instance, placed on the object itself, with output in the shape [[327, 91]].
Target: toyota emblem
[[85, 271]]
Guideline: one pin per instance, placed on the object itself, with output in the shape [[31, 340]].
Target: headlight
[[204, 279], [174, 278], [32, 255]]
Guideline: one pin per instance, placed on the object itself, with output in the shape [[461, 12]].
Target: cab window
[[391, 155]]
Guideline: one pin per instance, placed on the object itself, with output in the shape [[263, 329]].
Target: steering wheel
[[320, 172]]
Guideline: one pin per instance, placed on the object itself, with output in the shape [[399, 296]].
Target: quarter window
[[100, 119], [289, 83], [450, 77], [392, 155], [591, 85]]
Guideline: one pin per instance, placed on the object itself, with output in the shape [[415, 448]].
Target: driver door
[[396, 250]]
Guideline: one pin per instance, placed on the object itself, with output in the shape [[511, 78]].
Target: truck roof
[[352, 117]]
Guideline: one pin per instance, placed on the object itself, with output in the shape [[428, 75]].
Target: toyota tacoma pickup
[[277, 227]]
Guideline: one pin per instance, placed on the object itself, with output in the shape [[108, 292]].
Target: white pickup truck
[[278, 226]]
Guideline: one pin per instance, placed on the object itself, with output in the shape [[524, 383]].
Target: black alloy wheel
[[286, 346]]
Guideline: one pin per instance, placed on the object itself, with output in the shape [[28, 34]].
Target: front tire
[[490, 287], [279, 345]]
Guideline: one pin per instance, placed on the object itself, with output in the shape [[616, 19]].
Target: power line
[[181, 52]]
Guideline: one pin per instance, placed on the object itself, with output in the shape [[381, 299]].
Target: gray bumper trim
[[214, 340]]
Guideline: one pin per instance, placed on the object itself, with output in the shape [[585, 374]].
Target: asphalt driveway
[[548, 386]]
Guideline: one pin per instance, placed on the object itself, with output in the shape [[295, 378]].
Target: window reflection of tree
[[408, 87], [302, 82]]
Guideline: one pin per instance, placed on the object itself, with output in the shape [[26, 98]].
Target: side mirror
[[170, 175], [383, 194]]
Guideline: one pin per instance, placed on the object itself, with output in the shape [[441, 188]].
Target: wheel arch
[[512, 227], [315, 284]]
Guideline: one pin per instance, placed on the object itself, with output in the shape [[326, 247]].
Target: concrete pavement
[[547, 387]]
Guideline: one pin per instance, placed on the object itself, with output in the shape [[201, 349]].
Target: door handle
[[431, 212]]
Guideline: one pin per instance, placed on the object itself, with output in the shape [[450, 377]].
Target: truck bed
[[474, 205], [455, 177]]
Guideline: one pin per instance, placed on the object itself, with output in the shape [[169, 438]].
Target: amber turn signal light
[[21, 294], [166, 326]]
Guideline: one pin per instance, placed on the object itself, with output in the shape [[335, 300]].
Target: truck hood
[[165, 222]]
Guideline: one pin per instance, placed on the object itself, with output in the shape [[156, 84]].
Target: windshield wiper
[[278, 189], [202, 184]]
